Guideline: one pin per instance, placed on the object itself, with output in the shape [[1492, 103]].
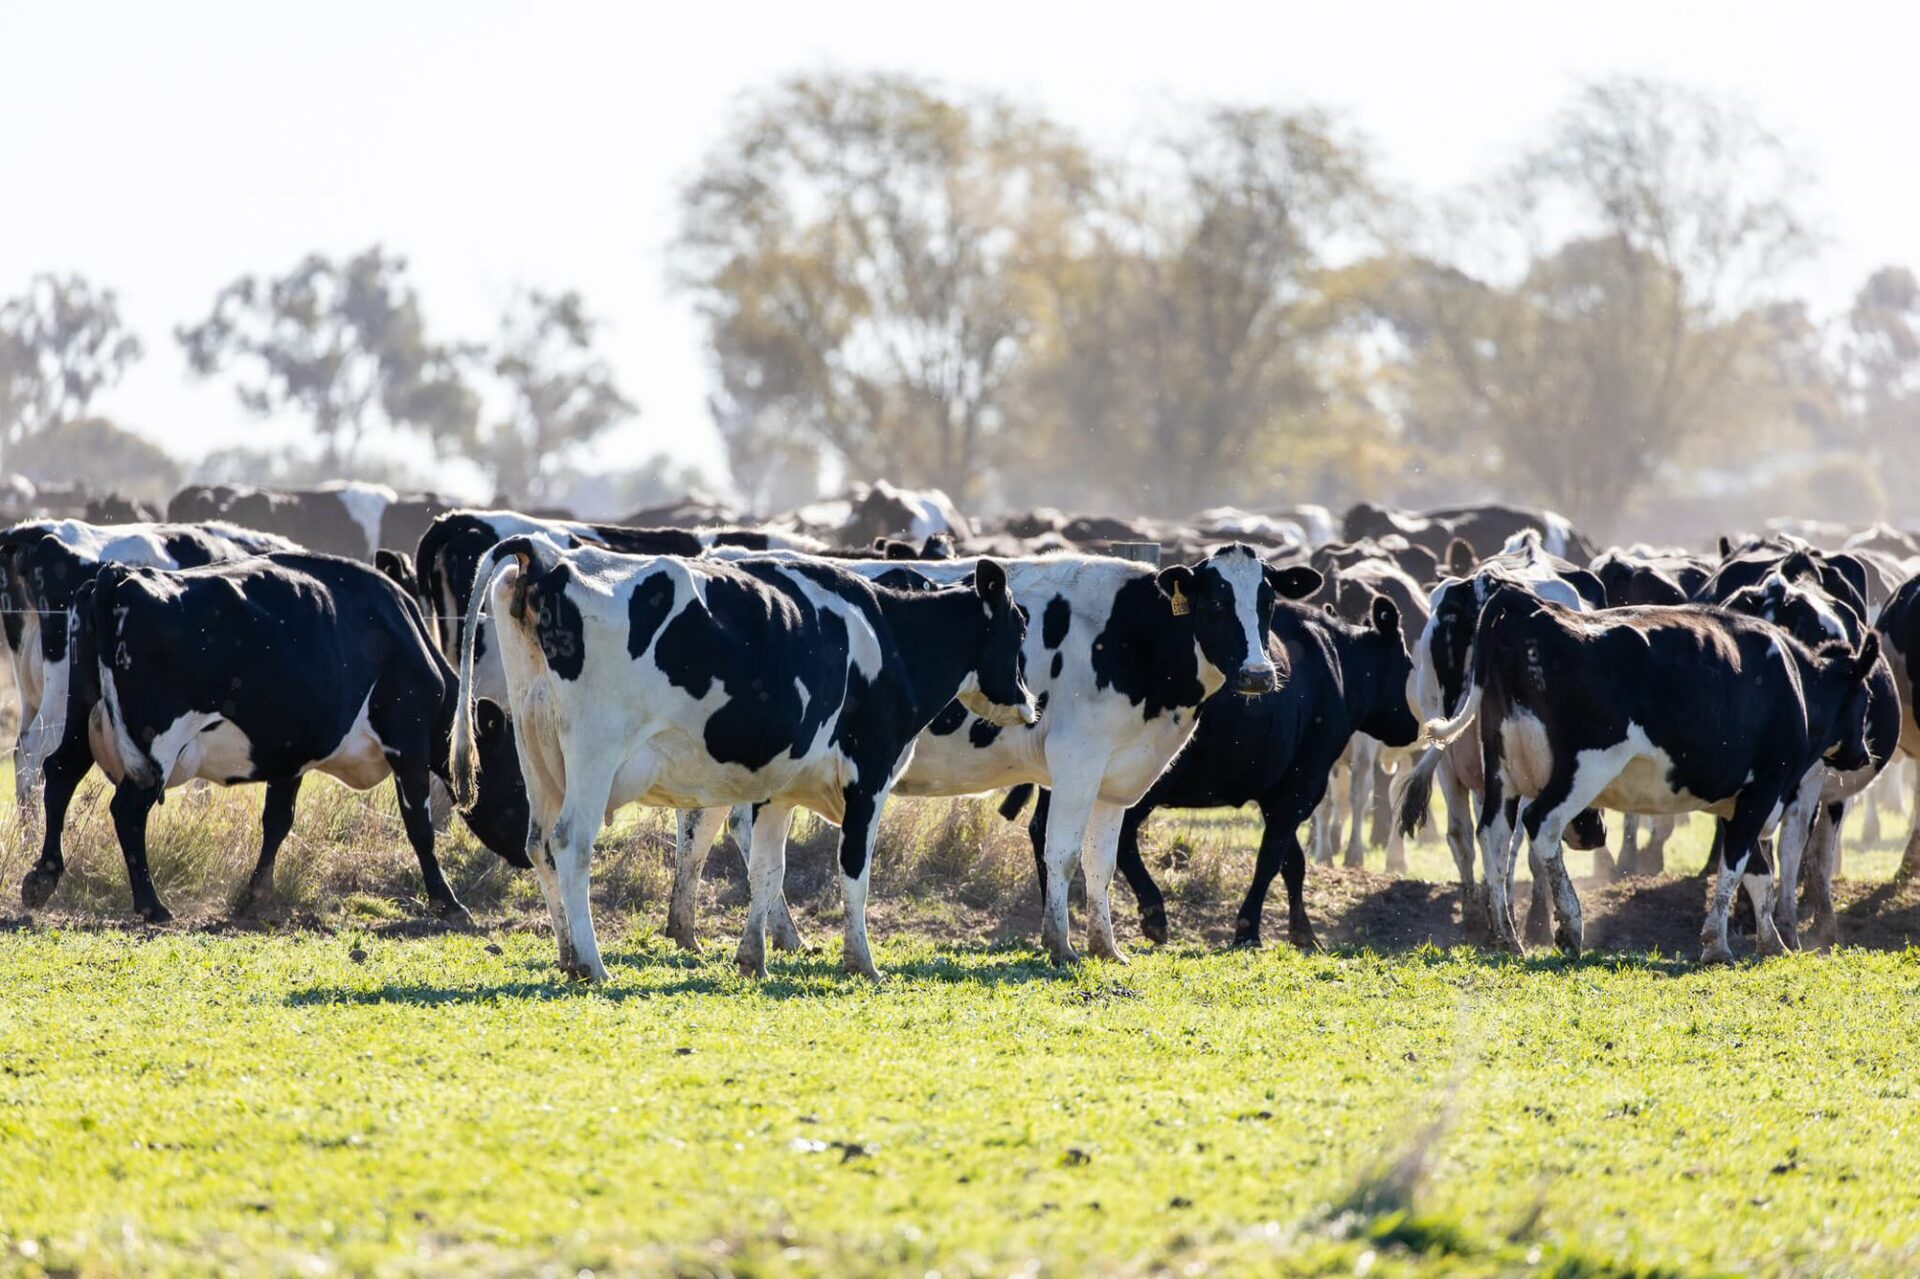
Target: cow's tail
[[1443, 732], [516, 554], [1506, 602], [1411, 793], [1016, 801]]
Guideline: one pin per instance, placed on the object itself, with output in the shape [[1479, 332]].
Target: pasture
[[346, 1089]]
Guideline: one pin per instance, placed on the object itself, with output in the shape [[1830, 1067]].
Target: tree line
[[901, 278]]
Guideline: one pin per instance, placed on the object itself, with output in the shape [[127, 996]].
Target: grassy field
[[348, 1090]]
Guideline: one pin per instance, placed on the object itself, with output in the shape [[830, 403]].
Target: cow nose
[[1256, 677], [1029, 713]]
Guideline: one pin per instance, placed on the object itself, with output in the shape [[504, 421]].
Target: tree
[[858, 248], [1198, 349], [105, 457], [561, 394], [61, 343], [343, 343], [1580, 362]]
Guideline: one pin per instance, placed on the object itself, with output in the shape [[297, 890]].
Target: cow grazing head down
[[1228, 597], [996, 689]]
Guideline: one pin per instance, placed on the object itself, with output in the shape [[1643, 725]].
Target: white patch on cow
[[1525, 752], [806, 698], [1830, 623], [1245, 573], [366, 504], [360, 760], [197, 744]]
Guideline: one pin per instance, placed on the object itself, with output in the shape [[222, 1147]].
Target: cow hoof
[[1774, 946], [860, 966], [1715, 953], [751, 961], [37, 888], [1568, 941], [1247, 939], [454, 915], [1303, 939], [684, 939], [791, 941], [1064, 956], [1153, 926], [156, 913], [1107, 951], [582, 973]]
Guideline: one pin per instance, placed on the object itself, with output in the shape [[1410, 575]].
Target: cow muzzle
[[1256, 678]]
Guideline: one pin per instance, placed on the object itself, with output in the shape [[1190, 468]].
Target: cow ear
[[1386, 616], [1459, 558], [1328, 610], [1726, 546], [1869, 652], [990, 581], [1294, 582], [489, 717], [1173, 581]]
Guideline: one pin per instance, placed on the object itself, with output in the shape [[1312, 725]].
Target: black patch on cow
[[1139, 654], [949, 720], [557, 624], [983, 733], [1059, 664], [646, 609], [1054, 622]]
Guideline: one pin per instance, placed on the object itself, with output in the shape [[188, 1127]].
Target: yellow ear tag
[[1180, 606]]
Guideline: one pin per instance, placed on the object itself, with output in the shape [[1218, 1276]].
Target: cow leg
[[1870, 820], [570, 854], [439, 805], [1652, 860], [1037, 837], [1798, 837], [1539, 908], [60, 777], [1822, 866], [1381, 827], [410, 785], [276, 819], [766, 873], [1744, 859], [1102, 850], [130, 807], [1476, 918], [1545, 820], [858, 830], [694, 834], [1282, 809], [780, 926], [1153, 904], [1496, 858], [1363, 759], [1629, 860], [1324, 830], [1076, 788], [1910, 859]]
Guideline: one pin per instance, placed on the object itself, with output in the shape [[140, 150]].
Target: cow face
[[498, 817], [1228, 598], [996, 690]]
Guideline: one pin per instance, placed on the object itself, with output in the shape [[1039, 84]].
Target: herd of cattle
[[543, 672]]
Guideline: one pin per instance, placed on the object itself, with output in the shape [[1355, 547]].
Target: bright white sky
[[163, 149]]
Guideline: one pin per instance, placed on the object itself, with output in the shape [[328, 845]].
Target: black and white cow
[[1899, 629], [1276, 750], [1441, 673], [1654, 710], [1485, 527], [1122, 658], [1814, 619], [695, 683], [260, 670], [43, 563], [341, 518]]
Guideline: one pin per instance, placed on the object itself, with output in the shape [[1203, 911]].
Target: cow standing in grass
[[694, 683], [1654, 710], [260, 670], [1122, 658]]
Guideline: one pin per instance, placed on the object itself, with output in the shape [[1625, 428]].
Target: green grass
[[188, 1102]]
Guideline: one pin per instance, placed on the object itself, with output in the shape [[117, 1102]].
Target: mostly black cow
[[261, 670], [697, 683], [1653, 710], [1485, 527]]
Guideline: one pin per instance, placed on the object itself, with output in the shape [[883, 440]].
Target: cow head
[[1388, 667], [1851, 697], [498, 817], [1228, 600], [996, 689]]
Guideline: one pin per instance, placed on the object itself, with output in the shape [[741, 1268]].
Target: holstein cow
[[1643, 575], [1122, 658], [1654, 710], [1277, 750], [1811, 617], [1899, 628], [260, 670], [1441, 670], [1351, 592], [43, 563], [696, 683], [1484, 527], [340, 518]]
